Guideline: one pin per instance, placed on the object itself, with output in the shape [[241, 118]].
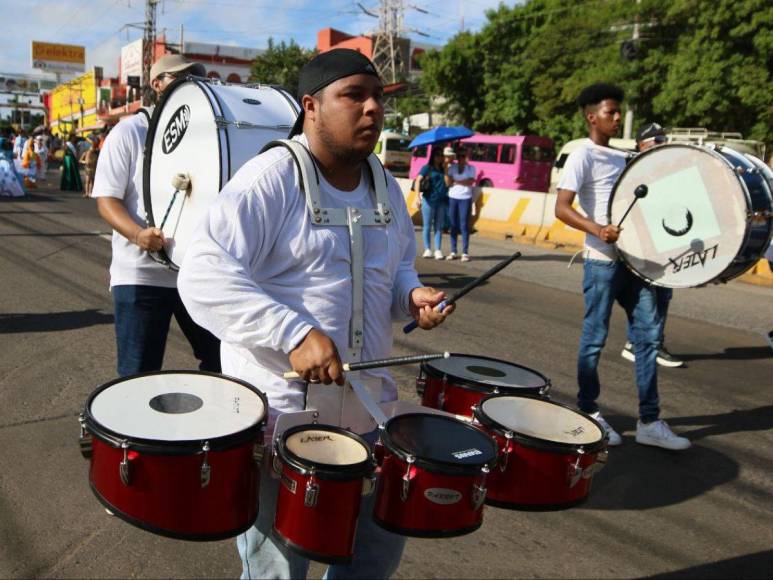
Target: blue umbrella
[[440, 134]]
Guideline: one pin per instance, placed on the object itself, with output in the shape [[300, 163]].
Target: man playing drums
[[590, 172], [277, 285], [144, 291]]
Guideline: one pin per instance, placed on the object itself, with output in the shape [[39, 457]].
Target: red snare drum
[[177, 452], [458, 383], [548, 453], [323, 471], [433, 476]]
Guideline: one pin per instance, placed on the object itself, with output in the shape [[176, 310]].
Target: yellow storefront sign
[[58, 57]]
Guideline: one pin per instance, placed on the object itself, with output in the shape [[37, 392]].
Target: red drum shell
[[324, 532], [458, 395], [446, 461], [417, 516], [165, 494], [538, 474]]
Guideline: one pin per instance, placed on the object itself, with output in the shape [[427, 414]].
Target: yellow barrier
[[528, 217]]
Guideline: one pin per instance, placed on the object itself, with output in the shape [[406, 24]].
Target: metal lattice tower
[[148, 49], [387, 55]]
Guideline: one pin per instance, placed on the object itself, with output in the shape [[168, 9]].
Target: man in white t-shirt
[[144, 292], [590, 172], [460, 202], [276, 285]]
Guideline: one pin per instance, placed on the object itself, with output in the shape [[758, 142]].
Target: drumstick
[[384, 362], [639, 192], [411, 326], [180, 182]]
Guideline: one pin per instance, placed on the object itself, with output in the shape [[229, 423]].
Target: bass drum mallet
[[640, 192]]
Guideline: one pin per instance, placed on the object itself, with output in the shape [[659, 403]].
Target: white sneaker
[[614, 436], [627, 352], [465, 257], [451, 256], [438, 255], [659, 434], [427, 254]]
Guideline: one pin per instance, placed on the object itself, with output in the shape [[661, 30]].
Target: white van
[[628, 145], [392, 150]]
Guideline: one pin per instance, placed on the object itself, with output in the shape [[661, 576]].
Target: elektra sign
[[175, 129]]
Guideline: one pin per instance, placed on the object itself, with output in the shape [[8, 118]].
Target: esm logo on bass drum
[[175, 129]]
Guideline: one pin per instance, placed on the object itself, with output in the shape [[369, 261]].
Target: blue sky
[[97, 24]]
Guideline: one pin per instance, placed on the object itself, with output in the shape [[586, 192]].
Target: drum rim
[[536, 442], [325, 470], [181, 447], [723, 275], [480, 387], [437, 465]]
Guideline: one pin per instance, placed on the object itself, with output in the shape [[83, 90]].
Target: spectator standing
[[89, 160], [41, 148], [71, 177], [434, 202], [461, 199]]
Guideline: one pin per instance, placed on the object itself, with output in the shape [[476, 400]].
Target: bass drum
[[205, 131], [706, 216]]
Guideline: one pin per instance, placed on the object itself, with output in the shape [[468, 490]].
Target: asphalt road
[[705, 512]]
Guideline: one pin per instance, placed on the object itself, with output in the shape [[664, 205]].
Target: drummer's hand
[[316, 359], [609, 234], [422, 304], [150, 239]]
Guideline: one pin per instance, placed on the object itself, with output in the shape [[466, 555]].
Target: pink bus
[[502, 161]]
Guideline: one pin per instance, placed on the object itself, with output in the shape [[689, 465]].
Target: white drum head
[[486, 371], [205, 131], [692, 222], [541, 419], [326, 447], [177, 407]]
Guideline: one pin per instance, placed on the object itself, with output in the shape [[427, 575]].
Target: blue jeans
[[459, 211], [603, 283], [664, 296], [377, 552], [142, 318], [432, 216]]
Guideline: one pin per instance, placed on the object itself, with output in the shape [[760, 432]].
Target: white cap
[[174, 63]]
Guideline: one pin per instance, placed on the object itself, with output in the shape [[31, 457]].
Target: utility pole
[[148, 49]]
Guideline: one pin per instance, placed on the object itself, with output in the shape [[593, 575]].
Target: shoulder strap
[[144, 111], [307, 169]]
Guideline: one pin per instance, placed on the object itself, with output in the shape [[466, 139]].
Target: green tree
[[720, 76], [454, 73], [280, 65]]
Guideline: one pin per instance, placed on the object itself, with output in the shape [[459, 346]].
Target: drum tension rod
[[124, 469], [575, 471], [312, 491], [206, 470], [505, 459], [407, 478], [479, 489], [85, 438]]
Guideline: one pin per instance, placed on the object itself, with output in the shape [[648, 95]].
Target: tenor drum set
[[181, 453]]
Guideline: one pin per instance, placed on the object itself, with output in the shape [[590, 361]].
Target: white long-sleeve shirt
[[259, 276]]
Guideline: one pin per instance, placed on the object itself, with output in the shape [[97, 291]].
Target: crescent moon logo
[[684, 230]]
